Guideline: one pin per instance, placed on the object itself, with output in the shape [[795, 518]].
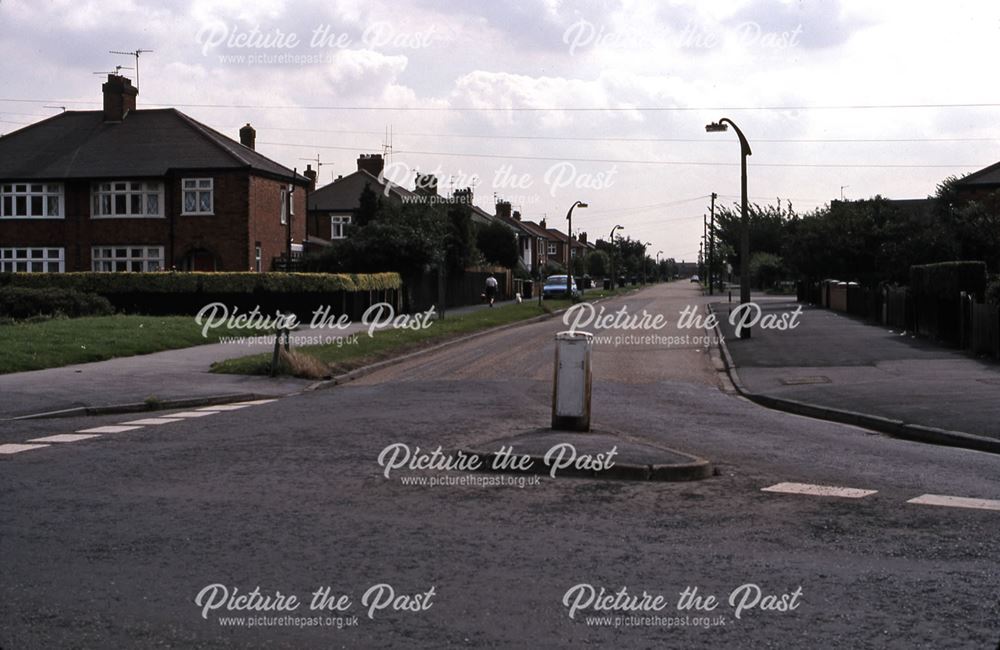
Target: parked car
[[555, 287], [695, 278]]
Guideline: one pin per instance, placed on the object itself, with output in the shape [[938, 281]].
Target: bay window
[[127, 199], [31, 201], [135, 258]]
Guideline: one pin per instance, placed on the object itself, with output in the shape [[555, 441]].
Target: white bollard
[[571, 390]]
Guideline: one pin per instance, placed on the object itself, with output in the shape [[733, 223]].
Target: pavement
[[169, 375], [836, 362]]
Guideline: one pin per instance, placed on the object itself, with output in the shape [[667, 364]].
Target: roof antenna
[[118, 69], [319, 164], [136, 54], [387, 145]]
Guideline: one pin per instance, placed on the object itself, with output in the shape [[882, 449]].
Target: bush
[[26, 302], [993, 292], [195, 282]]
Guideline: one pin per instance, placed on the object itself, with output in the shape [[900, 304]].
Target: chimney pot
[[248, 136]]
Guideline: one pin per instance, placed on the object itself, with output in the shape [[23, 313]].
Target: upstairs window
[[338, 225], [31, 201], [198, 196], [127, 199], [552, 248], [286, 206]]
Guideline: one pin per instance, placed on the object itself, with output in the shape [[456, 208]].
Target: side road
[[842, 368], [167, 375]]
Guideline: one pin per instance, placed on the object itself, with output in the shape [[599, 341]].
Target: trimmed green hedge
[[193, 282], [28, 302]]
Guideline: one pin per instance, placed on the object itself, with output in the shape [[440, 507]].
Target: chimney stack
[[463, 196], [517, 215], [248, 136], [503, 209], [310, 173], [583, 238], [426, 184], [371, 163], [542, 224], [119, 98]]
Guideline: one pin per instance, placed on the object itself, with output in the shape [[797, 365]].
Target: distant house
[[333, 207], [526, 247], [558, 242], [122, 189], [544, 245], [979, 184]]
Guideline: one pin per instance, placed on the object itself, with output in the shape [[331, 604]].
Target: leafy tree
[[599, 264], [498, 245], [460, 237], [368, 208]]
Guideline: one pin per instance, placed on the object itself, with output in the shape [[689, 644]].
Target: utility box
[[571, 390]]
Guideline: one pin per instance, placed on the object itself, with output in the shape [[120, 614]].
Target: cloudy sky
[[880, 98]]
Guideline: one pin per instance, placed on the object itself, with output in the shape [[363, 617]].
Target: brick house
[[122, 189], [334, 206]]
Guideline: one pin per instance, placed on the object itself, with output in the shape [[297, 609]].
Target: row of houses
[[123, 189]]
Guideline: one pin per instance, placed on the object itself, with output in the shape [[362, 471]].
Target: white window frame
[[48, 195], [552, 248], [258, 255], [341, 221], [287, 207], [199, 187], [104, 198], [22, 259], [135, 258]]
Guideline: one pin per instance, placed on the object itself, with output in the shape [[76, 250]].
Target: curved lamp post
[[569, 248], [723, 125], [658, 274], [612, 238]]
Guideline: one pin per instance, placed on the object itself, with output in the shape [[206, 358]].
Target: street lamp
[[643, 260], [723, 125], [612, 238], [658, 253], [569, 248]]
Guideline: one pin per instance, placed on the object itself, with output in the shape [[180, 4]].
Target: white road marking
[[66, 437], [14, 448], [191, 414], [116, 428], [148, 421], [225, 407], [258, 401], [955, 502], [819, 490]]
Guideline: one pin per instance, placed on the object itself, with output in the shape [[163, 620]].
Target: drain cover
[[797, 381]]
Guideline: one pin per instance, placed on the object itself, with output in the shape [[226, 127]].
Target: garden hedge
[[188, 292]]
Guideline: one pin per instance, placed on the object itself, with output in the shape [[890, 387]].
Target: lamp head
[[716, 127]]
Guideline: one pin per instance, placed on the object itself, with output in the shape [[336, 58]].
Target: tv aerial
[[118, 68], [136, 54]]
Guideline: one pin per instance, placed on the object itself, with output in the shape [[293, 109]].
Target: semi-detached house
[[121, 189]]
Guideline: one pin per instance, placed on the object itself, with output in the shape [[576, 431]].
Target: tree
[[498, 245], [599, 264], [369, 205], [460, 237]]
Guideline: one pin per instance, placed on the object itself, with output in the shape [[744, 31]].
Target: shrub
[[26, 302]]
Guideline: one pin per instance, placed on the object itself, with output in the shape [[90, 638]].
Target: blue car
[[555, 287]]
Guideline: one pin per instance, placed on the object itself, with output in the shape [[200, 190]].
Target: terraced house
[[122, 189]]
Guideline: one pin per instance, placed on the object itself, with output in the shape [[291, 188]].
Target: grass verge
[[395, 342], [66, 341]]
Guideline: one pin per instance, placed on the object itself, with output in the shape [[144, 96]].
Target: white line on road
[[14, 448], [819, 490], [116, 428], [224, 407], [67, 437], [154, 421], [258, 401], [955, 502], [191, 414]]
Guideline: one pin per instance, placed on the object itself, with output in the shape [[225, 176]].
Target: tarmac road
[[107, 542]]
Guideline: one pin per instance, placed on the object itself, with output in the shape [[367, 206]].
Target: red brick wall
[[265, 220]]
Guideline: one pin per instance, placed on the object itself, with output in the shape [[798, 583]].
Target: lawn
[[394, 342], [65, 341]]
